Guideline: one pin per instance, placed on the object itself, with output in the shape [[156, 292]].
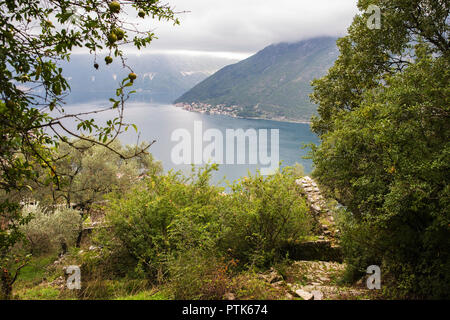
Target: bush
[[183, 232], [412, 266], [110, 260], [166, 213], [263, 213], [48, 231], [356, 239], [160, 221]]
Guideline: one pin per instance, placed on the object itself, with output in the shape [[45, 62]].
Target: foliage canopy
[[385, 130]]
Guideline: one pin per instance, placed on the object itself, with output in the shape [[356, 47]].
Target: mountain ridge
[[272, 84], [161, 78]]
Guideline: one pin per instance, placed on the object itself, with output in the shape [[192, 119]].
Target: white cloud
[[246, 26]]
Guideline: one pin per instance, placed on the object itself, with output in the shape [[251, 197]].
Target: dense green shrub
[[262, 213], [166, 213], [357, 241], [163, 218], [49, 231]]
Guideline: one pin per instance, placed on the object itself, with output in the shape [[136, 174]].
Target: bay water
[[159, 121]]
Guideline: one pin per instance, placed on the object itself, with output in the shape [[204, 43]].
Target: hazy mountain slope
[[161, 77], [273, 83]]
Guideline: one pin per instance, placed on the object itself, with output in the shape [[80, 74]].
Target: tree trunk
[[6, 286], [80, 236], [80, 232]]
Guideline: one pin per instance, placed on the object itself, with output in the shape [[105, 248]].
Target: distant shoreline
[[189, 108], [277, 120]]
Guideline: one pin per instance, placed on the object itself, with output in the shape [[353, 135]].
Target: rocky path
[[319, 207], [315, 280]]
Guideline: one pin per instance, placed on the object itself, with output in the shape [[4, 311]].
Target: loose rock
[[305, 295], [317, 295], [229, 296]]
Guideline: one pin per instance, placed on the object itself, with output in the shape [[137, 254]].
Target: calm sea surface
[[158, 122]]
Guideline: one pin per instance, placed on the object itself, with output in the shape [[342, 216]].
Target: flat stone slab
[[305, 295], [318, 295]]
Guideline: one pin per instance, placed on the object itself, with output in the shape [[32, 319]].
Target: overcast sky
[[246, 26]]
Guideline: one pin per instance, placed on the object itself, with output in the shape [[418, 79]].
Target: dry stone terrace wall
[[318, 205], [325, 247]]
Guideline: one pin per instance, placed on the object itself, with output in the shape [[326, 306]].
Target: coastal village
[[207, 108], [234, 111]]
